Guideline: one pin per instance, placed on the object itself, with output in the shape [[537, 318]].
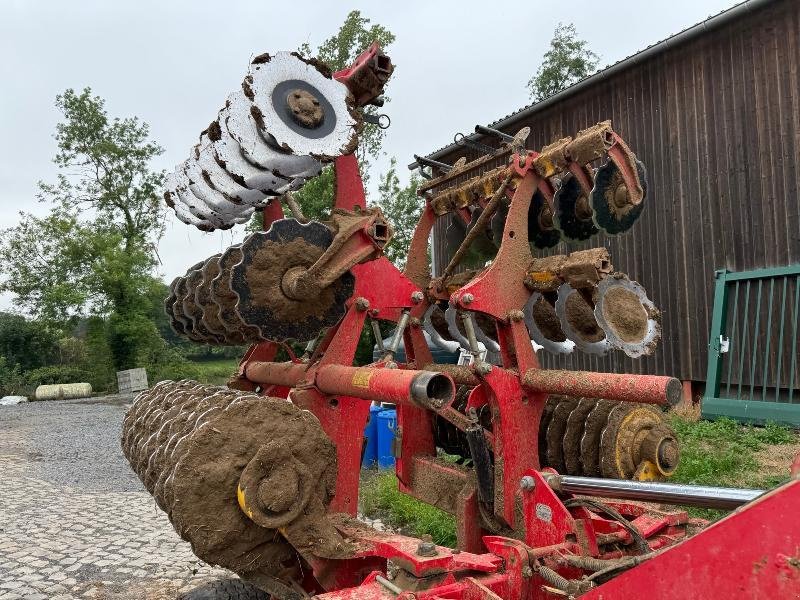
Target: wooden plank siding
[[716, 121]]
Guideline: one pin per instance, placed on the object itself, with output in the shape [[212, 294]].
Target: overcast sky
[[172, 63]]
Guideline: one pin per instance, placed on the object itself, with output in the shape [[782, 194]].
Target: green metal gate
[[753, 348]]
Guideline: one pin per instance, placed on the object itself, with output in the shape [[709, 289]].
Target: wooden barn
[[714, 114]]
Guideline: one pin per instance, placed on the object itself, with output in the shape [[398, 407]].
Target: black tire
[[225, 589]]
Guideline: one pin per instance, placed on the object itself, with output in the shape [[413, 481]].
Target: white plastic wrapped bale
[[63, 391], [12, 400]]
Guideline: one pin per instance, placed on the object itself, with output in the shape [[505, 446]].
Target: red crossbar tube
[[648, 389]]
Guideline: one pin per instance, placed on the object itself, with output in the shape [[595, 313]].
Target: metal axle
[[666, 493]]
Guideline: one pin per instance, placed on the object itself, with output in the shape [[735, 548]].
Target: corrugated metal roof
[[711, 22]]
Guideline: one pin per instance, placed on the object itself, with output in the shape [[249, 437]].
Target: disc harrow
[[262, 477]]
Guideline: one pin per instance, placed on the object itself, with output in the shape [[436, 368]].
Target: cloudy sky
[[172, 63]]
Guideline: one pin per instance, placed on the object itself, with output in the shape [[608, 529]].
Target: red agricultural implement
[[557, 478]]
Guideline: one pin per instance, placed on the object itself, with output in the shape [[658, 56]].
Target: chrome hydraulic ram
[[666, 493]]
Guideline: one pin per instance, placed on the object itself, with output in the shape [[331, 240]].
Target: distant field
[[216, 372]]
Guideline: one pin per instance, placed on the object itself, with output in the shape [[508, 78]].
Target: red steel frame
[[490, 566]]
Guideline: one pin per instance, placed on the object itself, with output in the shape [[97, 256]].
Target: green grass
[[216, 372], [725, 453], [719, 453], [380, 498]]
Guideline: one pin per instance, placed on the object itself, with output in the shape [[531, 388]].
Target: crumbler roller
[[201, 450]]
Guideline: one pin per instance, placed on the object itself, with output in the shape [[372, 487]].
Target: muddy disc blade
[[613, 210], [210, 310], [225, 298], [573, 433], [193, 311], [578, 321], [169, 310], [542, 232], [628, 317], [544, 326], [304, 109], [592, 431], [544, 423], [243, 127], [573, 214], [555, 432], [257, 281]]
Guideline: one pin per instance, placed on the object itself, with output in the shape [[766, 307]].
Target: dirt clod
[[624, 312], [546, 319], [580, 316], [265, 275]]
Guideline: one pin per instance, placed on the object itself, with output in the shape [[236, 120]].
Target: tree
[[402, 208], [94, 254], [568, 60], [26, 344]]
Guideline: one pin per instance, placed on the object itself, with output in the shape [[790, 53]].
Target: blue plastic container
[[371, 437], [387, 425]]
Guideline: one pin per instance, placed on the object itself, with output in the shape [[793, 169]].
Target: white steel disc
[[221, 179], [243, 128], [181, 210], [304, 109], [228, 152]]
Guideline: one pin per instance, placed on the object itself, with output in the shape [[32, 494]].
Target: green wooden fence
[[753, 374]]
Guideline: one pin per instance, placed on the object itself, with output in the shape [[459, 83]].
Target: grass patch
[[380, 498], [726, 453], [216, 372], [718, 453]]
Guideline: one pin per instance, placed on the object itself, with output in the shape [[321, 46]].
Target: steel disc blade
[[169, 310], [628, 317], [613, 211], [578, 321], [304, 109], [573, 214], [228, 154], [592, 431], [576, 423], [555, 432], [193, 311], [542, 232], [215, 200], [243, 127], [544, 326], [544, 423], [620, 441], [220, 179], [257, 281], [174, 201], [225, 298]]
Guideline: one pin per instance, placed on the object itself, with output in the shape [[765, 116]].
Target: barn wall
[[716, 120]]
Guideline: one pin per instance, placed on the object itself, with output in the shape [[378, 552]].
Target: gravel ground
[[75, 522]]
